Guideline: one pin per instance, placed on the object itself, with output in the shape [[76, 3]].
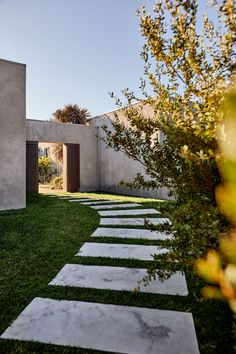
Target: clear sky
[[76, 51]]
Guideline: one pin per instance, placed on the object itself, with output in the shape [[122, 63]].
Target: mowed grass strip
[[38, 241]]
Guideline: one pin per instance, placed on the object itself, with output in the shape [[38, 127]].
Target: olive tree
[[189, 72]]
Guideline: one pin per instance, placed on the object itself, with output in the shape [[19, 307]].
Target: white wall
[[116, 166], [44, 131], [100, 168], [12, 135]]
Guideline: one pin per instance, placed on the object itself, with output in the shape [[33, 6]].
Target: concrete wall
[[100, 168], [44, 131], [116, 166], [12, 135]]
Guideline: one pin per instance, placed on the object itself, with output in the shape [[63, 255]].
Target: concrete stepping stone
[[115, 206], [101, 201], [130, 233], [71, 197], [109, 250], [110, 328], [128, 212], [79, 200], [132, 221], [118, 278]]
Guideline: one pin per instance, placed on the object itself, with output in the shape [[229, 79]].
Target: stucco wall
[[100, 168], [12, 135], [116, 166], [44, 131]]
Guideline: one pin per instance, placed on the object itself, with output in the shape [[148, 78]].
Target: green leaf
[[226, 198]]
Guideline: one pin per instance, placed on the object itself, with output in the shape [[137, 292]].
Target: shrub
[[219, 268], [44, 164], [57, 183], [189, 73]]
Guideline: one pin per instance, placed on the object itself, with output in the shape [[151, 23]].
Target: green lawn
[[35, 243]]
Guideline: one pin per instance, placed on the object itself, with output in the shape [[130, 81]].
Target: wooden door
[[71, 167], [31, 167]]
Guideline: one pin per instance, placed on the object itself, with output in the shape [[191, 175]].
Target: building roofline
[[115, 110], [12, 62]]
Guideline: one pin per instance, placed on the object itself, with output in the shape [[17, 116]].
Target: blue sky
[[76, 51]]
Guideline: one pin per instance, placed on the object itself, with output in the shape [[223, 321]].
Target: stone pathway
[[115, 206], [113, 328], [132, 221], [128, 212], [118, 278], [106, 327], [69, 197], [100, 202], [82, 201], [129, 233], [115, 250]]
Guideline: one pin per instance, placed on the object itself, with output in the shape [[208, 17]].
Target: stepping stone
[[118, 278], [71, 197], [79, 200], [128, 212], [109, 250], [132, 221], [109, 328], [102, 201], [115, 206], [130, 233], [65, 197]]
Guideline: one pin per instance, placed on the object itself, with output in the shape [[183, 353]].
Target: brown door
[[31, 167], [71, 167]]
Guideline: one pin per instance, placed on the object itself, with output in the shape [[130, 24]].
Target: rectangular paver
[[79, 200], [101, 201], [130, 233], [71, 197], [110, 250], [110, 328], [132, 221], [118, 278], [116, 206], [128, 212]]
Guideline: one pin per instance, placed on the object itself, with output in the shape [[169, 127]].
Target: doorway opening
[[50, 167], [45, 171]]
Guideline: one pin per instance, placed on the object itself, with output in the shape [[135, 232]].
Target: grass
[[35, 243]]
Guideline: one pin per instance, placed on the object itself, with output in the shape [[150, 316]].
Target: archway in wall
[[71, 167]]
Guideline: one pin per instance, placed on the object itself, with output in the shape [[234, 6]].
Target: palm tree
[[57, 152], [70, 113]]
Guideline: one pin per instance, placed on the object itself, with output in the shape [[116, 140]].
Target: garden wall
[[101, 168], [45, 131], [116, 166], [12, 135]]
